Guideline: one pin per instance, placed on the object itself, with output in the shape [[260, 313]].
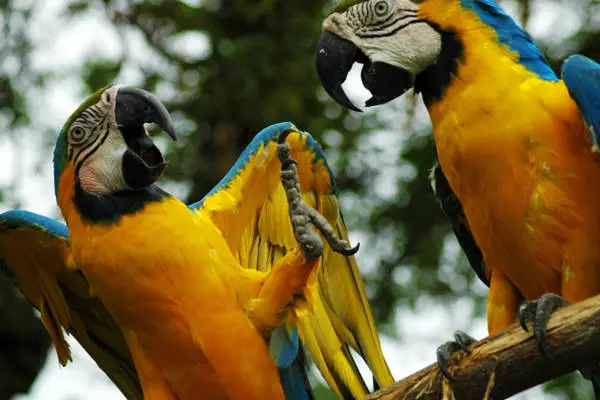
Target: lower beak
[[335, 57]]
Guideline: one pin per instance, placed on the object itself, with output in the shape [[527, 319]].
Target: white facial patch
[[396, 37], [414, 49], [101, 147], [102, 172]]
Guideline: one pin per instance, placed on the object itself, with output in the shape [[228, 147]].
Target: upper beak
[[143, 163], [335, 57], [135, 107]]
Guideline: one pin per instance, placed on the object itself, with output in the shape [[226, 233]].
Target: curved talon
[[348, 251], [341, 246], [539, 312], [464, 341], [443, 355], [526, 311], [444, 352], [338, 245]]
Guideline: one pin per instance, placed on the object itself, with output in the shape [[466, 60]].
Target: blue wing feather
[[285, 348], [18, 218], [510, 34], [295, 381], [582, 77], [268, 134], [15, 219]]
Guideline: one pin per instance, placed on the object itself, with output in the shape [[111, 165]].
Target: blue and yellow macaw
[[517, 146], [216, 299]]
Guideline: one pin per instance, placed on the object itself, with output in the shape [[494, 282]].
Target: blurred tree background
[[226, 69]]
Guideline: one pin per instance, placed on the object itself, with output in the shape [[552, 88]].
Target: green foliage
[[571, 386], [322, 392], [14, 55], [97, 74], [258, 69], [23, 340]]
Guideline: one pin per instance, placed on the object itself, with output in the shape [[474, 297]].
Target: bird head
[[421, 44], [104, 147], [388, 37]]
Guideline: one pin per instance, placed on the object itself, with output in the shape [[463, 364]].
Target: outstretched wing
[[249, 206], [582, 78], [453, 209], [34, 252]]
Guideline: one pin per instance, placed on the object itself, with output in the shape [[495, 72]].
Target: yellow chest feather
[[518, 157]]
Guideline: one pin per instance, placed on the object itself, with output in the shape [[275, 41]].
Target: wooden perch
[[509, 362]]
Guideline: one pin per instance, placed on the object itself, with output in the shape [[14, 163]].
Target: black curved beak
[[143, 163], [135, 107], [335, 57]]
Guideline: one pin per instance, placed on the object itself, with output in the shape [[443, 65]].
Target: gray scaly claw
[[444, 353], [539, 313], [302, 215], [338, 245]]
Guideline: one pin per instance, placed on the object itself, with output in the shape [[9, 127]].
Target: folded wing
[[582, 78], [453, 209]]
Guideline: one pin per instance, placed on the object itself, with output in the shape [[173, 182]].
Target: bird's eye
[[382, 7], [77, 135]]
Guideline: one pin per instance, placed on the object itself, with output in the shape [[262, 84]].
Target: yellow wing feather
[[251, 210], [39, 262], [252, 214], [36, 274]]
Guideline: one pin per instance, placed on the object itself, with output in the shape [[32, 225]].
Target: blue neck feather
[[510, 34]]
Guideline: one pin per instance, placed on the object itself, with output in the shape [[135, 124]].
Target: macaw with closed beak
[[219, 299], [517, 145]]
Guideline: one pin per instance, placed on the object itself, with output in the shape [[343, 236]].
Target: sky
[[61, 47]]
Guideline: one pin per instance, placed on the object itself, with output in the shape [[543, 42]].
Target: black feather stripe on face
[[432, 82]]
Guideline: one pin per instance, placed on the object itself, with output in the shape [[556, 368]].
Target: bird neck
[[480, 43], [76, 203]]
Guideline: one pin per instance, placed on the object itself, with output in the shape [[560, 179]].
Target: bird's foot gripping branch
[[509, 362], [302, 215]]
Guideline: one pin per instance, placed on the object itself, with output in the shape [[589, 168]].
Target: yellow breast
[[519, 159], [167, 275]]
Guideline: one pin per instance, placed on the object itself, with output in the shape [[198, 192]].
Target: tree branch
[[509, 362]]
